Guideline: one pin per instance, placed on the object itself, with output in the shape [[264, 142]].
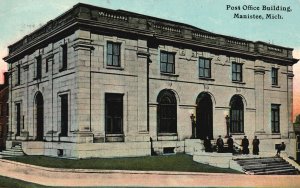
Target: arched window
[[236, 114], [167, 112]]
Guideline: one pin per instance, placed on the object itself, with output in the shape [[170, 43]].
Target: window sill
[[275, 86], [108, 134], [237, 133], [114, 67], [114, 138], [169, 74], [63, 69], [276, 133], [63, 136], [37, 78], [238, 82], [208, 79], [167, 134]]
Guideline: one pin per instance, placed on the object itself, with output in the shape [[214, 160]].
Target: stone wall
[[88, 79]]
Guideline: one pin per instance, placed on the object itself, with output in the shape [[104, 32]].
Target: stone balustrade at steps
[[266, 166]]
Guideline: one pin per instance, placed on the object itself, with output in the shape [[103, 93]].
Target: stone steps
[[12, 152], [264, 159], [253, 167], [266, 165]]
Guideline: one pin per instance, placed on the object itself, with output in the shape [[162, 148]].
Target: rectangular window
[[18, 74], [47, 65], [64, 64], [204, 68], [114, 113], [38, 67], [1, 110], [64, 114], [18, 118], [274, 76], [7, 109], [275, 118], [113, 54], [167, 62], [237, 72]]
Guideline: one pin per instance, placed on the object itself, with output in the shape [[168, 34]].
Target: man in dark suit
[[220, 144], [230, 144], [255, 144], [245, 145]]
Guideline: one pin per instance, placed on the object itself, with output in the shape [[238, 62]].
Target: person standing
[[230, 144], [245, 145], [255, 144], [220, 144], [207, 144]]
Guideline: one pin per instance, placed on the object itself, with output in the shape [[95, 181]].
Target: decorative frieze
[[202, 35], [82, 14], [237, 42], [113, 16], [270, 48], [167, 28]]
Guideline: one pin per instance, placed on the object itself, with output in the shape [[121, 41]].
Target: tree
[[297, 121]]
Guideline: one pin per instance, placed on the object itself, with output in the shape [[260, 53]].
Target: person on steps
[[220, 144], [207, 144], [245, 145], [255, 144], [230, 144]]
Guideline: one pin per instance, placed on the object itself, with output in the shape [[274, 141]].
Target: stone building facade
[[3, 111], [96, 82]]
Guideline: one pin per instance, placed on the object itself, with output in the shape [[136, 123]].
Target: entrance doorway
[[39, 101], [204, 116]]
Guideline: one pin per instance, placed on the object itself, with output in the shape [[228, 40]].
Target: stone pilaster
[[82, 48], [10, 120], [290, 75], [142, 59], [259, 73], [26, 103]]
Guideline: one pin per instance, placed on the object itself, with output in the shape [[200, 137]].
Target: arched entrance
[[39, 102], [204, 116]]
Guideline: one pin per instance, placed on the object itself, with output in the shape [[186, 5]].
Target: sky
[[20, 17]]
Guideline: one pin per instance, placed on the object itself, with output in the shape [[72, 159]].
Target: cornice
[[119, 21]]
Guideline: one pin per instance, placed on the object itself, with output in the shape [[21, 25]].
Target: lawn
[[6, 182], [178, 162]]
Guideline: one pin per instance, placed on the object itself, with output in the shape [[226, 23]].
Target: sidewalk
[[84, 177]]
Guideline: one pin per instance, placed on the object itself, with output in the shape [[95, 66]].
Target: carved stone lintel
[[259, 71], [143, 54], [290, 75], [194, 54], [182, 52], [25, 67], [83, 46], [50, 56], [206, 87]]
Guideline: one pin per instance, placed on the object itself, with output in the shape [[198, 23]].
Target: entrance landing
[[249, 164]]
